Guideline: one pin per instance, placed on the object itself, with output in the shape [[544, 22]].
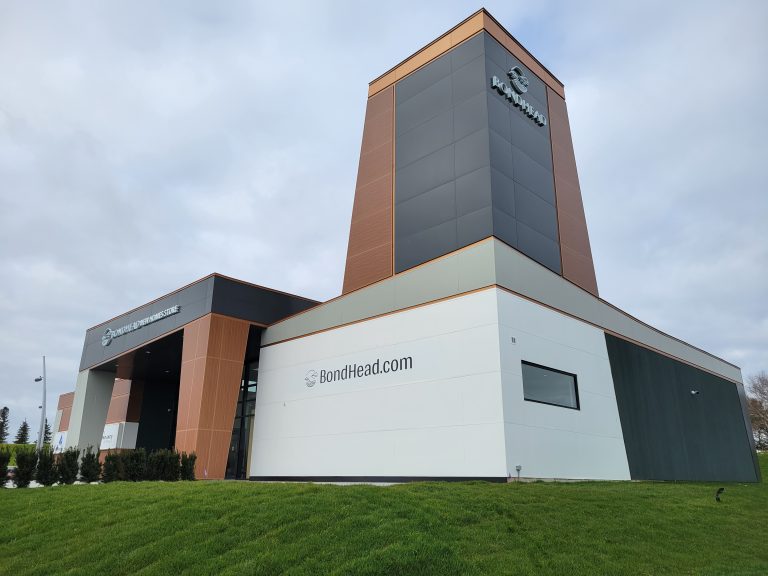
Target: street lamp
[[41, 435]]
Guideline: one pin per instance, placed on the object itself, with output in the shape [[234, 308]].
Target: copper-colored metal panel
[[579, 270], [218, 452], [480, 20], [375, 164], [235, 336], [122, 386], [378, 126], [369, 252], [186, 379], [201, 343], [227, 391], [209, 387], [118, 408], [189, 348], [575, 250], [373, 197], [181, 440], [207, 401], [201, 447], [368, 267], [215, 336], [66, 401], [66, 412], [370, 232], [573, 233]]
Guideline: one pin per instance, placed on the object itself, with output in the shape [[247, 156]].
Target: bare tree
[[758, 408]]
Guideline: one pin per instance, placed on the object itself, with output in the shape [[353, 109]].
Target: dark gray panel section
[[455, 135], [671, 433], [194, 301], [213, 294], [254, 303], [521, 166], [442, 186]]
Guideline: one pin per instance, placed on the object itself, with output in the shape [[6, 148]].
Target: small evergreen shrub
[[5, 458], [154, 465], [188, 466], [172, 467], [47, 472], [68, 465], [113, 469], [135, 463], [26, 460], [90, 467]]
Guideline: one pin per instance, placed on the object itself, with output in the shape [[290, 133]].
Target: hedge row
[[134, 465], [13, 448]]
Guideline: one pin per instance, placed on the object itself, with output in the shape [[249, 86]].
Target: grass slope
[[426, 528]]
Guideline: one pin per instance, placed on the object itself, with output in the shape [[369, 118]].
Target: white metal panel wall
[[443, 417], [551, 441]]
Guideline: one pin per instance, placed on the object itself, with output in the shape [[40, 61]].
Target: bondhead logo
[[351, 371], [519, 80], [520, 83], [106, 339]]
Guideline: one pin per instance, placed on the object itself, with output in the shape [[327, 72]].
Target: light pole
[[41, 435]]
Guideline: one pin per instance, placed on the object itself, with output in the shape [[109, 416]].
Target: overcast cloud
[[144, 145]]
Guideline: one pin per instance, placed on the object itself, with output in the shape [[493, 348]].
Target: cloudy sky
[[144, 145]]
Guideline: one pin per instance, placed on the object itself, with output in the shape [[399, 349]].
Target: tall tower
[[466, 140], [470, 341]]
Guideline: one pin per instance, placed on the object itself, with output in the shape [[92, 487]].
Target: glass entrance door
[[238, 460]]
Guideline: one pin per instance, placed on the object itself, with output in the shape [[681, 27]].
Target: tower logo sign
[[519, 82]]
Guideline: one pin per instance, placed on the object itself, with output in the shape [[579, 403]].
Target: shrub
[[172, 467], [154, 465], [5, 458], [163, 465], [47, 472], [25, 468], [68, 465], [135, 463], [188, 466], [90, 468], [113, 468]]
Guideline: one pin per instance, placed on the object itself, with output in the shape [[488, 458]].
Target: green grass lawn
[[425, 528]]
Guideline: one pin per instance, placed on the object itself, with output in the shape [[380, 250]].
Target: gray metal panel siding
[[442, 180], [253, 303], [194, 301], [670, 433], [468, 163], [522, 275], [215, 294], [522, 181]]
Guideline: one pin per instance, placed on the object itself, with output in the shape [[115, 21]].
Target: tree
[[47, 435], [22, 436], [758, 408], [4, 425]]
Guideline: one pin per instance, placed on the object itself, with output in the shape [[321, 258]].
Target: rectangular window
[[549, 386]]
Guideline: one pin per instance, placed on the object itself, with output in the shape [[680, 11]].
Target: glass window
[[550, 386]]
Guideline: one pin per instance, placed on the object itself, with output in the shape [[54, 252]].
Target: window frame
[[542, 367]]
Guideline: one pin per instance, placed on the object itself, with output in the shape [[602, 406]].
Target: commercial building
[[469, 340]]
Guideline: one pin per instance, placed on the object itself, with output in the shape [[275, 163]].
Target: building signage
[[519, 86], [110, 334], [59, 441], [358, 370], [109, 436]]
